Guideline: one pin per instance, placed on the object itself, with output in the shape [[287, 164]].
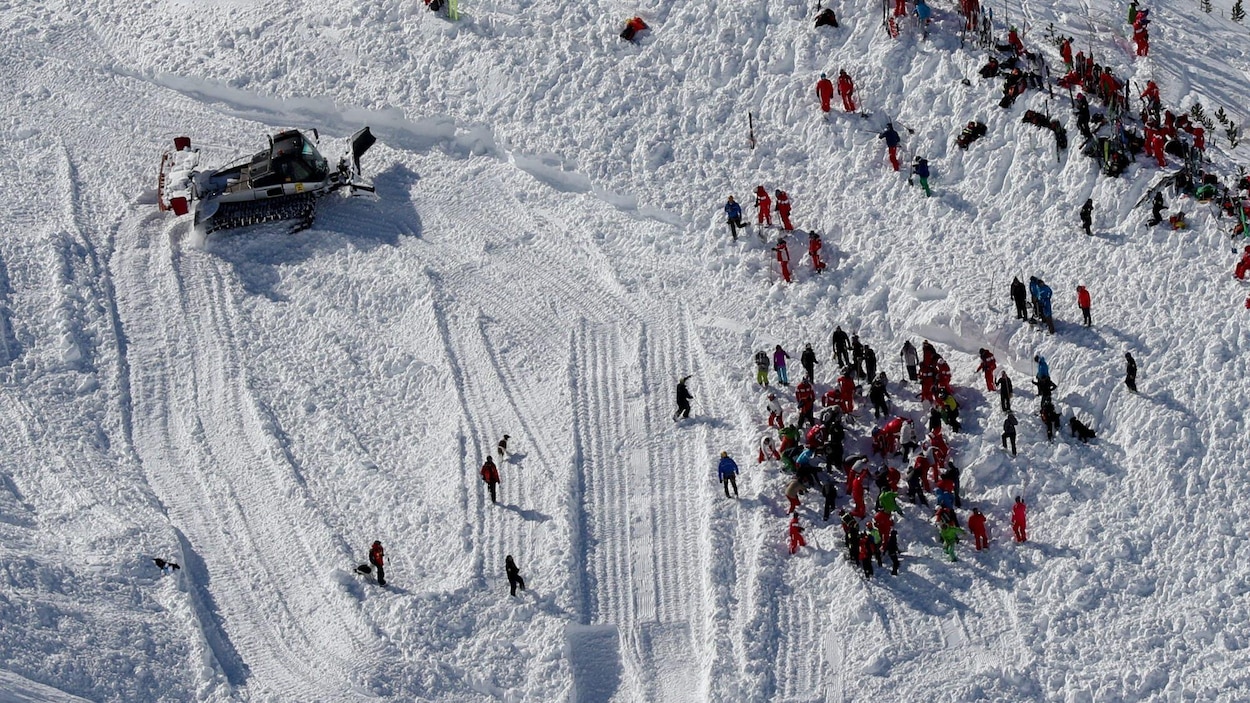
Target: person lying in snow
[[632, 28]]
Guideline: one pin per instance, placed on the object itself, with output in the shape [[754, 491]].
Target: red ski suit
[[824, 91], [1019, 521], [783, 259], [846, 90], [783, 209], [796, 535], [976, 525], [813, 250], [763, 207]]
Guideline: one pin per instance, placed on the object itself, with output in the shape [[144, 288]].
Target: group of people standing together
[[818, 446]]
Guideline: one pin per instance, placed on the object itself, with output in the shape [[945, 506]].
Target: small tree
[[1206, 6], [1221, 116], [1234, 135], [1239, 12]]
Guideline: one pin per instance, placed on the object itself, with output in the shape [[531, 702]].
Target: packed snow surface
[[546, 256]]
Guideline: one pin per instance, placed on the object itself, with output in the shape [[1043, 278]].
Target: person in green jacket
[[950, 537], [888, 501]]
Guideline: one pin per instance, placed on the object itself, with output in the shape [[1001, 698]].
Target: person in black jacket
[[1019, 295], [892, 551], [808, 359], [1087, 216], [514, 575], [1156, 210], [870, 363], [1004, 392], [1009, 431], [879, 395], [683, 400], [1130, 372], [841, 347]]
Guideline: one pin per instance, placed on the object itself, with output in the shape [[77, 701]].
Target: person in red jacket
[[884, 523], [988, 365], [1082, 302], [378, 558], [1019, 521], [813, 250], [1243, 266], [1141, 35], [1065, 52], [846, 90], [824, 91], [796, 535], [783, 208], [857, 495], [1013, 38], [976, 525], [846, 394], [1150, 99], [805, 396], [783, 257], [763, 207], [490, 475]]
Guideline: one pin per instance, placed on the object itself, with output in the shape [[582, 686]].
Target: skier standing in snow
[[910, 360], [870, 362], [796, 535], [857, 356], [808, 359], [514, 576], [988, 366], [683, 400], [907, 439], [377, 557], [1130, 372], [892, 551], [921, 169], [1087, 216], [949, 534], [976, 525], [779, 365], [733, 216], [813, 251], [763, 207], [1018, 293], [490, 476], [783, 257], [1157, 207], [829, 489], [878, 395], [761, 368], [1019, 520], [783, 209], [1009, 431], [841, 347], [727, 470], [775, 418], [892, 140], [846, 90], [1004, 392], [1083, 302], [824, 91]]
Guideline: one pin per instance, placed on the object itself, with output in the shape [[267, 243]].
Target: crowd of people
[[824, 437]]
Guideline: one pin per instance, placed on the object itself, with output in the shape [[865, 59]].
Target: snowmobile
[[280, 183]]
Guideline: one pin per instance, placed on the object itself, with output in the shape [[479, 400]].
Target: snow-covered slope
[[545, 259]]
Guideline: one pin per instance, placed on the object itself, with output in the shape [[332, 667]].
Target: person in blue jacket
[[728, 472], [1043, 369], [923, 12], [921, 169], [733, 215], [1035, 284], [1044, 294]]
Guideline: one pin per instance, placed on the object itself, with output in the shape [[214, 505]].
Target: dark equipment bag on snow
[[364, 569]]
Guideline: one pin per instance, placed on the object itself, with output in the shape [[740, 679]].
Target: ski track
[[205, 444]]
